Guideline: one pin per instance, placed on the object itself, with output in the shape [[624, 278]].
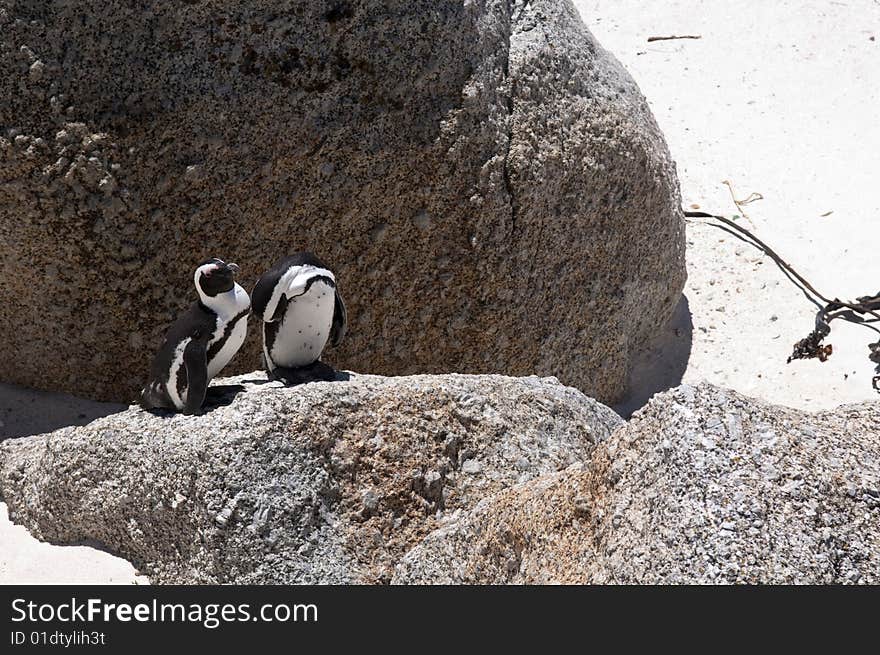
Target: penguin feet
[[315, 372]]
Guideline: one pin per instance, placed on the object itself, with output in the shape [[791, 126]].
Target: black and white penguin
[[200, 342], [302, 311]]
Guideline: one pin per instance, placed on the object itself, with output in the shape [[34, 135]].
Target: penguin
[[200, 342], [301, 309]]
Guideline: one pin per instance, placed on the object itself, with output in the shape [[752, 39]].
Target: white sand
[[24, 560], [778, 97]]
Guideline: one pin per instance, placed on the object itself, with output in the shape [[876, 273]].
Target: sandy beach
[[779, 99]]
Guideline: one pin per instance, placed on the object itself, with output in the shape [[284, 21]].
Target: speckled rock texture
[[322, 483], [702, 486], [488, 183], [537, 532]]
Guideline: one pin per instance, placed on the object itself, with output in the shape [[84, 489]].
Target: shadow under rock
[[661, 365], [25, 412]]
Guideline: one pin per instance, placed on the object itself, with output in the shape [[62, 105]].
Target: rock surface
[[327, 482], [537, 532], [702, 486], [488, 156]]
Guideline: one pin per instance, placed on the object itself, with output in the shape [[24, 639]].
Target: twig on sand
[[651, 39], [752, 197], [864, 311]]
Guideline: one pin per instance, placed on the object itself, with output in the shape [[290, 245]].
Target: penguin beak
[[233, 267]]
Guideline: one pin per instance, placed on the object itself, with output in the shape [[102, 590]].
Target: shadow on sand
[[662, 364]]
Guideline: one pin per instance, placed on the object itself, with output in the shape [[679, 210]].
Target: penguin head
[[214, 276]]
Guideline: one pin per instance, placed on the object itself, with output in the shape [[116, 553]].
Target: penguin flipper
[[280, 310], [195, 358], [264, 293], [340, 320]]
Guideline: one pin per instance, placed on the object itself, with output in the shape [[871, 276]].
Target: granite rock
[[321, 483], [702, 486], [488, 183]]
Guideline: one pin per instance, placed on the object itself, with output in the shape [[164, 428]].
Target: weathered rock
[[488, 182], [702, 486], [327, 482], [537, 532]]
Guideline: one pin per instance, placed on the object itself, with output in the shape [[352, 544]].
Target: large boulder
[[487, 181], [327, 482], [702, 486]]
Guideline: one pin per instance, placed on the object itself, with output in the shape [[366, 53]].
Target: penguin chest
[[299, 338], [229, 337]]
